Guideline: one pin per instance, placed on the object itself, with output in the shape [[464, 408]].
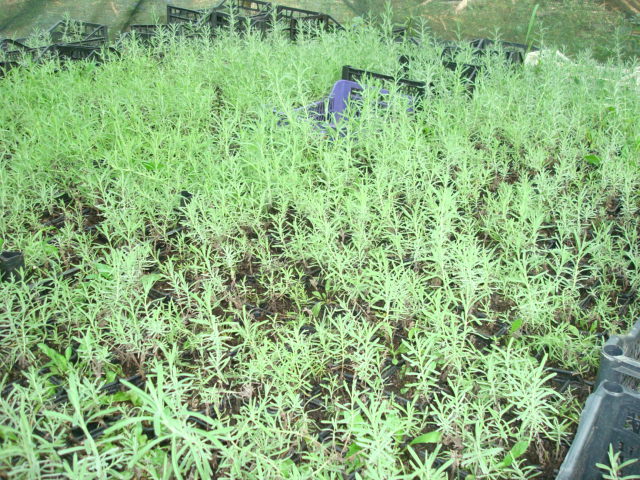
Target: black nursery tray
[[13, 50], [611, 417], [76, 51], [513, 52], [468, 72], [411, 87], [620, 360], [297, 20], [187, 15], [89, 34]]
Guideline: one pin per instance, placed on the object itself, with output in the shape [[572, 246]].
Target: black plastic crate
[[297, 19], [187, 15], [146, 29], [245, 8], [74, 31], [450, 61], [450, 52], [13, 50], [76, 52], [144, 33], [401, 34], [611, 416], [242, 14], [485, 44], [410, 87], [468, 72], [620, 360], [141, 33], [240, 23], [251, 7], [513, 52]]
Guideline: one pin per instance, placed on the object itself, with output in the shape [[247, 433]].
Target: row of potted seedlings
[[389, 371], [619, 356], [619, 374], [327, 113], [256, 14], [71, 40], [12, 269], [77, 40]]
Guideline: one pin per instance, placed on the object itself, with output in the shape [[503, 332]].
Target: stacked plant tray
[[611, 416]]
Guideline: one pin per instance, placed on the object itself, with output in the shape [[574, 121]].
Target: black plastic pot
[[185, 198], [11, 264]]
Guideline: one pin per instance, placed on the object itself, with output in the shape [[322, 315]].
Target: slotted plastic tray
[[611, 416], [186, 15], [468, 72], [513, 52], [297, 19], [410, 87], [620, 360], [13, 50], [90, 34], [75, 52], [242, 14]]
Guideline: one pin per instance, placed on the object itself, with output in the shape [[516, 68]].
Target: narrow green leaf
[[529, 39], [48, 351], [594, 160], [315, 310], [431, 437], [515, 326], [574, 330], [149, 280], [353, 449], [105, 271], [516, 451]]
